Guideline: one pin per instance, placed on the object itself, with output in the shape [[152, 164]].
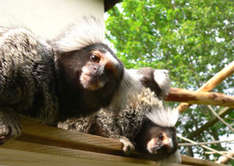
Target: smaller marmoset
[[145, 125]]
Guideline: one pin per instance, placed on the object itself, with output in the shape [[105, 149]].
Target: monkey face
[[157, 140], [99, 70], [88, 79], [92, 67], [161, 140]]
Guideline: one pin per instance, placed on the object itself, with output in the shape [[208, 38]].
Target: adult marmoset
[[73, 75], [145, 125]]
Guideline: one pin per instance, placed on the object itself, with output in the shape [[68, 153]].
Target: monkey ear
[[84, 32]]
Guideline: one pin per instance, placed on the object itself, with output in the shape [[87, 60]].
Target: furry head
[[86, 31], [88, 70], [163, 117]]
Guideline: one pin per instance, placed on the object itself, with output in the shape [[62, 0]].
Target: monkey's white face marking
[[155, 144], [88, 82], [151, 144]]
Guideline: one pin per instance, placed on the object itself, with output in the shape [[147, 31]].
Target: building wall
[[47, 17]]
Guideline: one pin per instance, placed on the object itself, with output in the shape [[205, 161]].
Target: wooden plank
[[60, 151], [38, 133], [61, 155], [193, 161], [9, 157]]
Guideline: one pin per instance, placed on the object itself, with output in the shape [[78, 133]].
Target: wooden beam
[[212, 83], [74, 153], [192, 161], [208, 98], [37, 138], [12, 157], [36, 132]]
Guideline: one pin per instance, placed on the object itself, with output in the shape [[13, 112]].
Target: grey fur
[[126, 123], [30, 78], [27, 79]]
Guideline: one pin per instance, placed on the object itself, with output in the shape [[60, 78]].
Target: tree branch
[[225, 158], [210, 123], [208, 98], [205, 143], [205, 147], [212, 83], [217, 116]]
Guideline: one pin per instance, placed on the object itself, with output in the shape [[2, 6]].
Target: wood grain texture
[[38, 133], [197, 162], [9, 157], [74, 153]]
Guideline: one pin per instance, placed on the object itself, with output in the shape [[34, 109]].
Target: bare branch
[[217, 116], [208, 98], [205, 143], [225, 158], [210, 123], [205, 147], [212, 83]]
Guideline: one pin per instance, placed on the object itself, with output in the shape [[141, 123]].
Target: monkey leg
[[127, 147], [9, 125]]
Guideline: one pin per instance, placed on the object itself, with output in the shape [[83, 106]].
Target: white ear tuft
[[165, 117], [86, 31], [161, 77]]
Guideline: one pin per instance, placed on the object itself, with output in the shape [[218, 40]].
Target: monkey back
[[27, 75]]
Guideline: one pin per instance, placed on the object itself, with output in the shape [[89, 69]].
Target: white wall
[[47, 17]]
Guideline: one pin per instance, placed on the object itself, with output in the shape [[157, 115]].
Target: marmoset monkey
[[144, 124], [73, 75]]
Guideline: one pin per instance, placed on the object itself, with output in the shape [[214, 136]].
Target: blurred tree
[[192, 39]]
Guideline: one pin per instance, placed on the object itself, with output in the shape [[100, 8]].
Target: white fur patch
[[84, 32], [163, 117], [135, 75], [111, 58], [161, 77], [163, 80], [5, 36]]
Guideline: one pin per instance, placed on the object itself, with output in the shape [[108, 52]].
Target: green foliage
[[192, 39]]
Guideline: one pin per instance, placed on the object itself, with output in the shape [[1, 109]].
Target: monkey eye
[[94, 58], [161, 136]]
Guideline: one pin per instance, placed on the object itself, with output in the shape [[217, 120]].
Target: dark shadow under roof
[[110, 3]]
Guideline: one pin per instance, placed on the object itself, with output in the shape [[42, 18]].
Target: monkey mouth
[[92, 82]]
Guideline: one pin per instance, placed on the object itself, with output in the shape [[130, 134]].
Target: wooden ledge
[[49, 145]]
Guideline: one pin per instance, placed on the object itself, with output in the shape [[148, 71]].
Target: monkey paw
[[9, 127], [127, 147]]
